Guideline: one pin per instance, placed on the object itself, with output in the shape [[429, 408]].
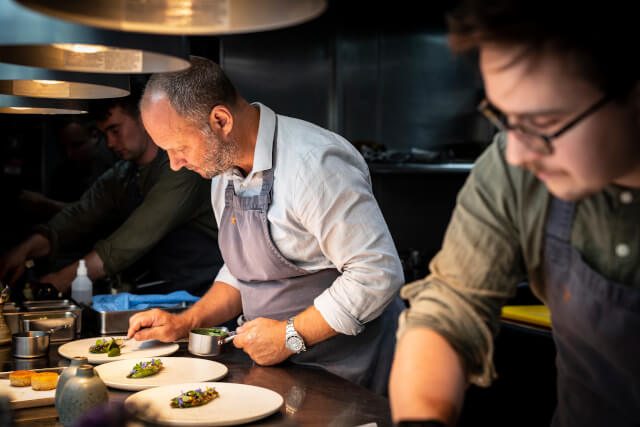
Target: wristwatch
[[294, 341]]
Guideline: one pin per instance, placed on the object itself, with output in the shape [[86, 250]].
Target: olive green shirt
[[170, 199], [495, 241]]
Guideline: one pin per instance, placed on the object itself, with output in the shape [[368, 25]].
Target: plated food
[[235, 404], [111, 346], [191, 398], [146, 369], [44, 380], [20, 378], [132, 349], [175, 370], [37, 380]]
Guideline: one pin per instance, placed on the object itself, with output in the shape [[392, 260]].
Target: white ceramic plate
[[132, 350], [175, 370], [26, 397], [236, 404]]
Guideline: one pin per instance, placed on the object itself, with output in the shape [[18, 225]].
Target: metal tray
[[117, 322], [45, 322], [13, 314]]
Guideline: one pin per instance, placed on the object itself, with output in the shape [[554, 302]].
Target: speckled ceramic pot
[[81, 393], [66, 374]]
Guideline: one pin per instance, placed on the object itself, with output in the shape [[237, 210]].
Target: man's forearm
[[221, 303], [95, 266], [427, 378], [312, 327], [37, 246]]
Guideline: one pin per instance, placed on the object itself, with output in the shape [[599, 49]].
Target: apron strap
[[560, 219]]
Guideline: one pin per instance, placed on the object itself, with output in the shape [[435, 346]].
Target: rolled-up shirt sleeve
[[334, 201], [476, 271]]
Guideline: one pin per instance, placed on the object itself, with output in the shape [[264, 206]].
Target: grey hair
[[195, 91]]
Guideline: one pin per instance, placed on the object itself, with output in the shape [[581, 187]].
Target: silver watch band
[[292, 333]]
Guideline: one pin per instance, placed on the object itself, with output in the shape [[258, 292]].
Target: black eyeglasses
[[534, 141]]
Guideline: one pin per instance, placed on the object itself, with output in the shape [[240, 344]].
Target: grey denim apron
[[596, 329], [273, 287]]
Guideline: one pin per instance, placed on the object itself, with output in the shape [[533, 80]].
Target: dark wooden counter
[[312, 396]]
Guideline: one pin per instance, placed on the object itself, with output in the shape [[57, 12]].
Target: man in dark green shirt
[[555, 200], [140, 215]]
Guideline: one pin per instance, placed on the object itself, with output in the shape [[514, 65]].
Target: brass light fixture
[[44, 83], [189, 17], [32, 39], [24, 105]]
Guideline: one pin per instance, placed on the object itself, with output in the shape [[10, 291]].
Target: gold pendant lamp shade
[[44, 83], [187, 17], [25, 105], [32, 39]]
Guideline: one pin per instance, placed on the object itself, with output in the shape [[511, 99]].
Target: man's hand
[[61, 280], [263, 340], [159, 325], [12, 264]]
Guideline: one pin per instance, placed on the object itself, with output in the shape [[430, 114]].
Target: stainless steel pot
[[32, 344], [204, 344]]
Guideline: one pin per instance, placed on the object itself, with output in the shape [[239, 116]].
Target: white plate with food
[[227, 404], [131, 349], [141, 374], [27, 389]]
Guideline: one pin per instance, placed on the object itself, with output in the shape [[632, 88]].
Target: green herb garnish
[[192, 398], [145, 369], [211, 332], [110, 346]]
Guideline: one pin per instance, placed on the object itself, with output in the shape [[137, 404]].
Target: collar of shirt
[[263, 153]]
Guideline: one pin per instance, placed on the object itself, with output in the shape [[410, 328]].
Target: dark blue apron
[[273, 287], [596, 329]]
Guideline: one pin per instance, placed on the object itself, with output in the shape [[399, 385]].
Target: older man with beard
[[309, 260]]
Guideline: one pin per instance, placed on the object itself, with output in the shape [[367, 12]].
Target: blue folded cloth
[[127, 301]]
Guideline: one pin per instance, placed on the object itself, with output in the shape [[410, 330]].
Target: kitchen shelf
[[420, 167]]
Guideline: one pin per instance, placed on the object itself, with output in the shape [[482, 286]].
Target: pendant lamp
[[189, 17], [45, 83], [25, 105], [32, 39]]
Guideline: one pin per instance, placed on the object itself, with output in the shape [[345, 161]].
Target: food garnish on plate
[[211, 332], [197, 397], [110, 346], [145, 369]]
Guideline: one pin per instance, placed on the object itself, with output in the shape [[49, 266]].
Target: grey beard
[[218, 157]]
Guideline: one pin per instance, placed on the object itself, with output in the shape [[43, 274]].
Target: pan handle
[[229, 337], [57, 328]]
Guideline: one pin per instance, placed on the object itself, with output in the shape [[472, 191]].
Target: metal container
[[13, 314], [46, 322], [33, 344], [48, 305], [201, 344], [117, 322], [29, 345]]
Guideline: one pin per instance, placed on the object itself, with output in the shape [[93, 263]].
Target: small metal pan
[[203, 342], [32, 344]]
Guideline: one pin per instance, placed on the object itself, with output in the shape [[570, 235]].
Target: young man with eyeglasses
[[555, 200]]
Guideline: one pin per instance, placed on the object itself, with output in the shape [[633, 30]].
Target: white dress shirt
[[323, 215]]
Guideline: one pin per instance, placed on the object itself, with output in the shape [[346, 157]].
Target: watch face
[[294, 343]]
